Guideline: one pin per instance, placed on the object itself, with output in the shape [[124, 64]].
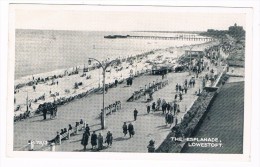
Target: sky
[[104, 18]]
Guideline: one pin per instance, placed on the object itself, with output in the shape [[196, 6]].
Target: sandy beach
[[50, 89]]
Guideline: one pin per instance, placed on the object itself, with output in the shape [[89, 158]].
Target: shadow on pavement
[[121, 138], [42, 120], [159, 114], [91, 150], [94, 125], [75, 141], [163, 127], [130, 121]]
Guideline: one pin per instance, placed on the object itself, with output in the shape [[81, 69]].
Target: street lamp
[[27, 108], [27, 100], [104, 67], [190, 47]]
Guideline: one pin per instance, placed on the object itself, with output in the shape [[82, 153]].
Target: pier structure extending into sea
[[185, 37]]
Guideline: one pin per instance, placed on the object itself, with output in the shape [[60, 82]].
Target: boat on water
[[116, 36]]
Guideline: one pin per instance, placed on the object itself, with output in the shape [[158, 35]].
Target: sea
[[40, 51]]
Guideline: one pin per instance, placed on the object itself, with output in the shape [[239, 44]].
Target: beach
[[49, 88]]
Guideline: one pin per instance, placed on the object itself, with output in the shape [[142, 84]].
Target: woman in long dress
[[84, 140], [100, 141]]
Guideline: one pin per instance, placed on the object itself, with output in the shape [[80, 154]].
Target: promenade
[[147, 126]]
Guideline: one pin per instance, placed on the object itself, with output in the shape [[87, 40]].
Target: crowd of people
[[171, 109], [96, 141]]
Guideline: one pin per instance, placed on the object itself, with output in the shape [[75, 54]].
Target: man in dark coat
[[175, 97], [180, 88], [109, 139], [125, 128], [94, 140], [44, 113], [131, 81], [131, 129], [116, 82], [153, 106], [84, 140], [135, 114], [185, 89], [180, 97], [148, 108], [87, 129]]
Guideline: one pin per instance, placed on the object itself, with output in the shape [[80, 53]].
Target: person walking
[[94, 140], [84, 140], [180, 88], [170, 118], [109, 139], [125, 129], [87, 129], [190, 83], [175, 97], [116, 82], [185, 89], [44, 113], [159, 103], [168, 107], [193, 82], [166, 118], [174, 108], [164, 106], [131, 129], [148, 108], [180, 97], [135, 114], [178, 108], [100, 141], [153, 106]]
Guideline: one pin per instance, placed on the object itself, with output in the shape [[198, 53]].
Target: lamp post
[[27, 108], [190, 47], [27, 100], [104, 67]]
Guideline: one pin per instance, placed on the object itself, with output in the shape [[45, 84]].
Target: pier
[[177, 37], [185, 37]]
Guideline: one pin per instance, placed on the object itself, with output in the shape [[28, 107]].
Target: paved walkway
[[147, 126]]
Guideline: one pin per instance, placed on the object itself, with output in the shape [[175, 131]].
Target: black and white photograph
[[129, 79]]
